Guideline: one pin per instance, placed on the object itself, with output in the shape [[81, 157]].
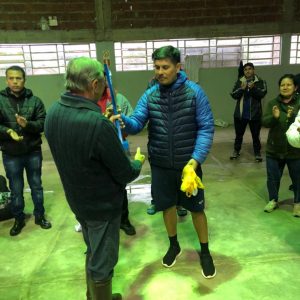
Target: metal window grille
[[214, 52], [295, 49], [39, 59]]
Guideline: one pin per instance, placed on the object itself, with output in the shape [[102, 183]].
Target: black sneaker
[[17, 228], [128, 228], [43, 222], [169, 259], [235, 154], [207, 264]]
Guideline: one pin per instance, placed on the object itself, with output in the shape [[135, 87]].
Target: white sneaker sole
[[269, 211], [174, 262], [209, 276]]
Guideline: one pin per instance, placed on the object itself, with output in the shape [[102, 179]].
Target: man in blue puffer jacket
[[180, 132]]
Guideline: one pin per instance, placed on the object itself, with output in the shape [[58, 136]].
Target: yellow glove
[[109, 111], [190, 181], [139, 156], [14, 135]]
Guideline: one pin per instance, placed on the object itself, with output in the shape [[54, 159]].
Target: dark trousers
[[275, 169], [14, 167], [240, 128], [102, 241], [125, 211]]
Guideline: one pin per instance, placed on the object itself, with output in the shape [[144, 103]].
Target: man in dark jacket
[[181, 128], [93, 168], [248, 91], [22, 117]]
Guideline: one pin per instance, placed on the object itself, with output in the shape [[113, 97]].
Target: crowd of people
[[94, 167]]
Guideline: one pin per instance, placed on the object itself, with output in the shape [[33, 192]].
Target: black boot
[[17, 228], [102, 290], [127, 227], [42, 222]]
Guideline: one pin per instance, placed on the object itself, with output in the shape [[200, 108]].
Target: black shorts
[[166, 191]]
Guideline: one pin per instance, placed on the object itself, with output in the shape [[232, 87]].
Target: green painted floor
[[257, 255]]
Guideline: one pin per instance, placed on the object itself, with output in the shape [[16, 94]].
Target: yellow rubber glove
[[139, 156], [190, 181], [14, 135], [110, 111]]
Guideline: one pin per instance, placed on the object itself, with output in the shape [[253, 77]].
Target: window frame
[[215, 51], [43, 58], [295, 49]]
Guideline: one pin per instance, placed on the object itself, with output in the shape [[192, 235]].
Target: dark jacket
[[91, 162], [180, 126], [277, 144], [254, 95], [29, 107]]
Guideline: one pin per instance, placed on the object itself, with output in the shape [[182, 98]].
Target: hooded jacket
[[29, 107]]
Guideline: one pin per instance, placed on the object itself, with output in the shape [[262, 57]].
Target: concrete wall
[[47, 87]]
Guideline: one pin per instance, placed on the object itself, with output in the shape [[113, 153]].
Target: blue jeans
[[14, 167], [274, 173]]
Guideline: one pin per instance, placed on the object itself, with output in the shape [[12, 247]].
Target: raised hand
[[139, 156], [275, 112], [21, 120]]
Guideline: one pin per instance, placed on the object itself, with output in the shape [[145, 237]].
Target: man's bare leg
[[200, 225], [170, 219]]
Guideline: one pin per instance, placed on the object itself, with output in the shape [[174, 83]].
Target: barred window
[[295, 49], [211, 53], [39, 59]]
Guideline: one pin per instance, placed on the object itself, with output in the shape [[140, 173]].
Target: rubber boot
[[102, 290]]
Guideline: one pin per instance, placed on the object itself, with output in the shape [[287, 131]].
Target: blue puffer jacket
[[180, 126]]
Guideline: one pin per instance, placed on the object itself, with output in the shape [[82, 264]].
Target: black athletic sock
[[173, 240], [204, 248]]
